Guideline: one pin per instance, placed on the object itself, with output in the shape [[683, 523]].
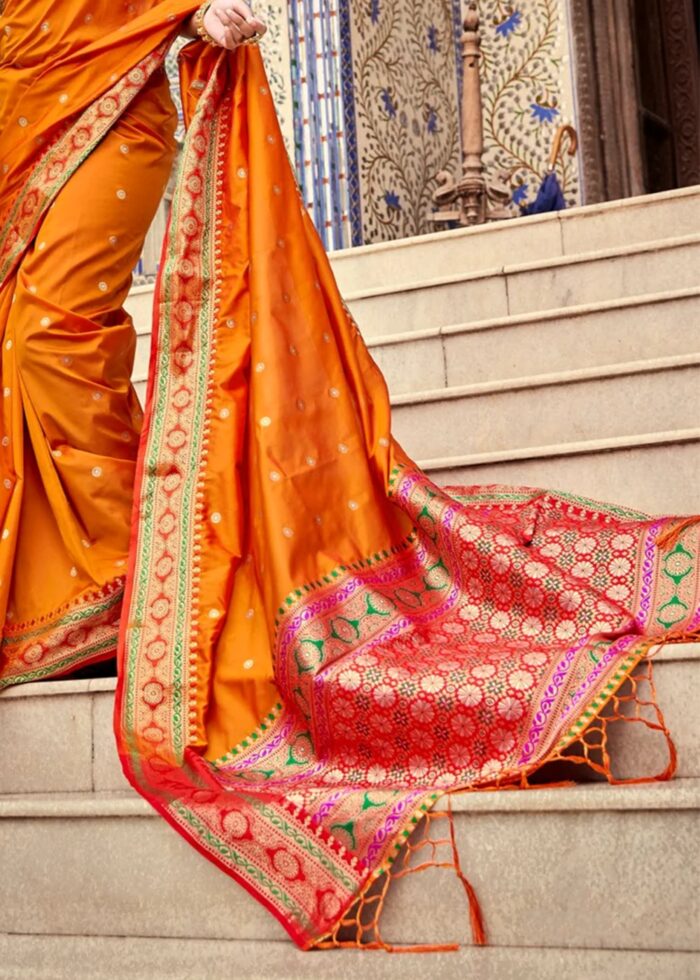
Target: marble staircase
[[594, 878], [557, 351]]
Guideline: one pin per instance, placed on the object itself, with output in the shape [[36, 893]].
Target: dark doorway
[[667, 85], [638, 89]]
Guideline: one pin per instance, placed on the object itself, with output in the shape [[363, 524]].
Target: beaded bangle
[[255, 39], [198, 21]]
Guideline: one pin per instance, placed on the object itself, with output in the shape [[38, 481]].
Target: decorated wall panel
[[404, 64], [527, 92], [368, 94]]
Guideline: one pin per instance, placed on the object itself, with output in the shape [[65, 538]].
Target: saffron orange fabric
[[316, 642], [422, 641], [70, 418], [80, 228]]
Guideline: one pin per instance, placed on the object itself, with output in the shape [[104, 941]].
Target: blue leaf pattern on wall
[[526, 93], [509, 23], [520, 194], [543, 112], [407, 110], [388, 102]]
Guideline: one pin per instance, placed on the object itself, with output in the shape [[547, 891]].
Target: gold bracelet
[[198, 21]]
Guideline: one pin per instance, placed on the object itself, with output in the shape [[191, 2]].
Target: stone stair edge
[[600, 255], [493, 228], [598, 372], [626, 204], [527, 319], [558, 450], [547, 264], [681, 793], [553, 379], [148, 958], [62, 687], [523, 268], [514, 319]]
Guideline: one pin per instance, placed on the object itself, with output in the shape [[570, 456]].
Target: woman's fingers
[[241, 8], [224, 14], [238, 17], [233, 38], [246, 27], [215, 27]]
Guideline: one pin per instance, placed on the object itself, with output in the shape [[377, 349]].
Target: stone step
[[547, 415], [401, 263], [82, 864], [585, 229], [592, 335], [84, 758], [514, 290], [628, 400], [661, 394], [655, 472], [26, 957], [507, 289], [510, 347]]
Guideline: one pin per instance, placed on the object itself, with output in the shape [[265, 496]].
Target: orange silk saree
[[316, 643], [77, 201]]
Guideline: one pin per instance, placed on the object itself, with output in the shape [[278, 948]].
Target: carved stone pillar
[[473, 180], [471, 199]]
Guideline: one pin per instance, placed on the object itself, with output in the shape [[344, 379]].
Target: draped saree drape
[[315, 641]]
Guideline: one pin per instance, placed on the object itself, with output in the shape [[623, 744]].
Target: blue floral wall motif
[[406, 102], [527, 93], [368, 93]]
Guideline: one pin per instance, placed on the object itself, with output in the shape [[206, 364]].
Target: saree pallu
[[316, 641]]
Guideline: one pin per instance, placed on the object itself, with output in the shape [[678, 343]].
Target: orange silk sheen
[[309, 462], [69, 418], [267, 513]]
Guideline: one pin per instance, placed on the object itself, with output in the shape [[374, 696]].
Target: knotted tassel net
[[433, 847]]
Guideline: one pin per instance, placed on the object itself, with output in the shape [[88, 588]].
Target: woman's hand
[[231, 22]]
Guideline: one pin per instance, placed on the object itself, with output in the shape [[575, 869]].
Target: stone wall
[[527, 91]]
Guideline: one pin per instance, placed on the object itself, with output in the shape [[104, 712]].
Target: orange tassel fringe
[[673, 534], [634, 702]]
